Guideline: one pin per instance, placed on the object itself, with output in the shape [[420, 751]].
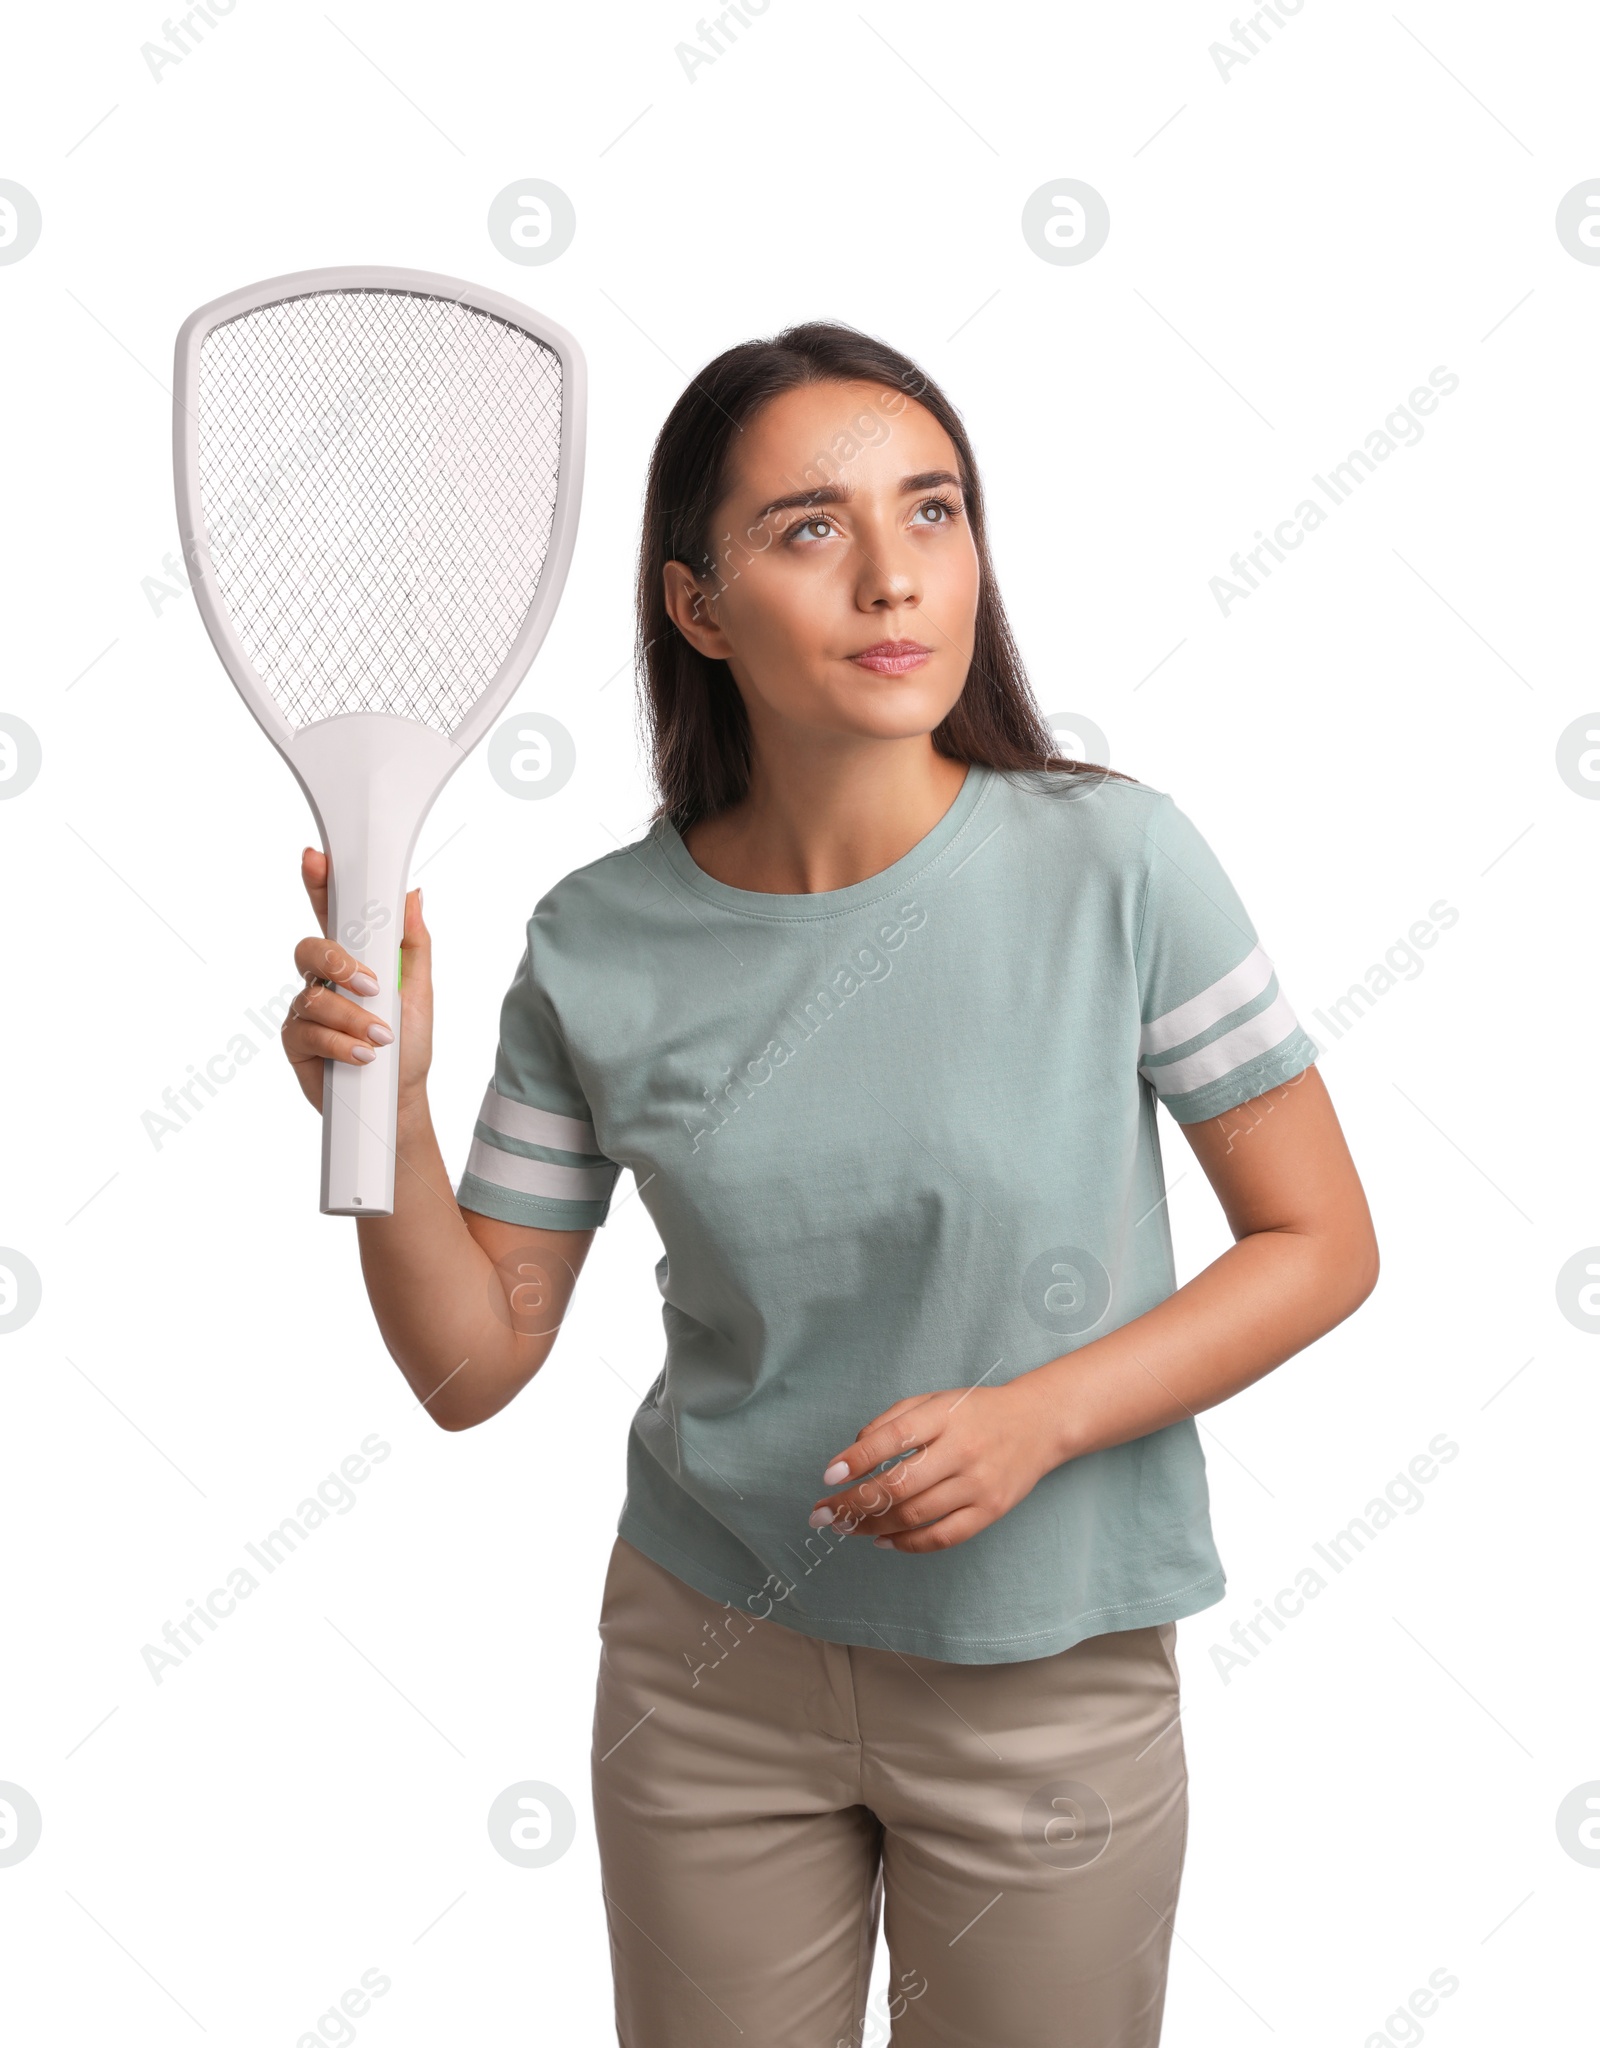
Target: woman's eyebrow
[[831, 494]]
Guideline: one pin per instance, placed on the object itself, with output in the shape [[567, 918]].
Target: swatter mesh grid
[[377, 474]]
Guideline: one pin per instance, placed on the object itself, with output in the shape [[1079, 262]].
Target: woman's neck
[[823, 821]]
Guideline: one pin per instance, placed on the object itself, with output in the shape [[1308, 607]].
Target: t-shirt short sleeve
[[534, 1156], [1215, 1028]]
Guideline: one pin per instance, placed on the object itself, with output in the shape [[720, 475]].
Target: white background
[[1291, 252]]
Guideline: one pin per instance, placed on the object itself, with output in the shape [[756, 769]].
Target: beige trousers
[[760, 1795]]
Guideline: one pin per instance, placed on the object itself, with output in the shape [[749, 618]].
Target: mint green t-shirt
[[895, 1138]]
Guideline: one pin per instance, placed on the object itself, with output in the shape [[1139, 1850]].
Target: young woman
[[877, 1013]]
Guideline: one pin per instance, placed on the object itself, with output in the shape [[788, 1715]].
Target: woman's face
[[845, 591]]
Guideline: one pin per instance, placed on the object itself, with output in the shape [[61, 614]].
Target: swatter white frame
[[371, 777]]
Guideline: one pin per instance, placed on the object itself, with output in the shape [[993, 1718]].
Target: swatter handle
[[360, 1104], [371, 780]]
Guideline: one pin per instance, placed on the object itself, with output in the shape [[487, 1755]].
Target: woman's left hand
[[974, 1452]]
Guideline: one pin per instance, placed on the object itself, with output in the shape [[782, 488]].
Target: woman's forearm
[[434, 1290], [1267, 1297]]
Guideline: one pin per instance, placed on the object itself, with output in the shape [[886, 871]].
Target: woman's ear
[[691, 605]]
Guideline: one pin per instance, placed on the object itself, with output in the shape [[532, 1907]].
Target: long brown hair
[[694, 718]]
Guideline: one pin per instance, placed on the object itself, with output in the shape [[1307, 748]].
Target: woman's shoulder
[[617, 875], [1090, 808]]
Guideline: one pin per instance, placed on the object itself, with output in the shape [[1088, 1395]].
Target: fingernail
[[380, 1034], [819, 1518], [363, 983], [883, 1543], [836, 1471], [363, 1052]]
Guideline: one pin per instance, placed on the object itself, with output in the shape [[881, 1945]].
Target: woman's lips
[[892, 657]]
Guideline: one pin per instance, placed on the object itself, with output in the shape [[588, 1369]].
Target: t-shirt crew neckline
[[829, 902]]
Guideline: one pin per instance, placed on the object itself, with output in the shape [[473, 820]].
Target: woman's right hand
[[323, 1024]]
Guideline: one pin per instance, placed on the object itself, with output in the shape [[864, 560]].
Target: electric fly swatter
[[378, 474]]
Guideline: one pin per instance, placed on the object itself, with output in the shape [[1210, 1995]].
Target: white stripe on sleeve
[[536, 1126], [1240, 985], [1257, 1034], [519, 1175]]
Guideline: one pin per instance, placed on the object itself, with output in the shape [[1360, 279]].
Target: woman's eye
[[820, 526]]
